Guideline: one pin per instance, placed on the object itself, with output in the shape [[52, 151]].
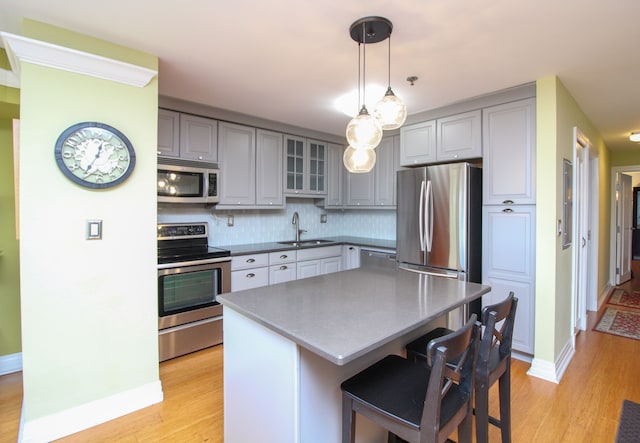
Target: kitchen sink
[[301, 243]]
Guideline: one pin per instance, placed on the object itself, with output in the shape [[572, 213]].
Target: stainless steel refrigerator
[[439, 221]]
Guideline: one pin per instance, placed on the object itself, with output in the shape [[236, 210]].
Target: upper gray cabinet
[[451, 138], [418, 143], [237, 164], [306, 167], [335, 177], [376, 189], [269, 174], [509, 142], [168, 133], [459, 136], [187, 136], [250, 167]]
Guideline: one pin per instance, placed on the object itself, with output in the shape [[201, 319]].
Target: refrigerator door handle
[[429, 216], [421, 227]]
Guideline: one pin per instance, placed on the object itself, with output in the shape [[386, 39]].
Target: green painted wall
[[626, 158], [9, 248], [89, 308], [557, 115]]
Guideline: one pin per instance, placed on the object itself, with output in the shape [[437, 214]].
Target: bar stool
[[494, 364], [415, 402]]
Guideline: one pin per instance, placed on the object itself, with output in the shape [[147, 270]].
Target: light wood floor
[[584, 407]]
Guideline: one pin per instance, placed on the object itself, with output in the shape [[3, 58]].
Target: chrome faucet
[[296, 221]]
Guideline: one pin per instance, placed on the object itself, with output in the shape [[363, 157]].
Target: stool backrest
[[452, 360], [495, 346]]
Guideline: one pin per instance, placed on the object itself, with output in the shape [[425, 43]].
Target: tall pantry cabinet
[[508, 240]]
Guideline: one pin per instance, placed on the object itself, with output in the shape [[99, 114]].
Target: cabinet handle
[[283, 256], [251, 275], [507, 210], [250, 260], [282, 268], [507, 202], [350, 248]]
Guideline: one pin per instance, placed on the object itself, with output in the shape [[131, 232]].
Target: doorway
[[624, 179], [585, 229]]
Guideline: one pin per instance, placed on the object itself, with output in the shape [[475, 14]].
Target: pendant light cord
[[364, 65], [389, 65]]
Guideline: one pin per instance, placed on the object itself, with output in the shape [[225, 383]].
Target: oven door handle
[[194, 262]]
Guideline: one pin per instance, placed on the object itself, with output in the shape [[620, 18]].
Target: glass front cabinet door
[[306, 166]]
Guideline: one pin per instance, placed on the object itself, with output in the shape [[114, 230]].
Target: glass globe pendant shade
[[391, 111], [358, 161], [364, 131]]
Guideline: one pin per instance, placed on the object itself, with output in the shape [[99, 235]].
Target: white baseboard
[[82, 417], [10, 363], [602, 297], [549, 371]]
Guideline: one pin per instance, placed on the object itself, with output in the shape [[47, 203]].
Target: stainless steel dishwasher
[[376, 258]]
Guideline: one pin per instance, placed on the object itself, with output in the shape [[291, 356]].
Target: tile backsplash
[[258, 226]]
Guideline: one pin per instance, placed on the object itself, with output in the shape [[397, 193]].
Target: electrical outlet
[[230, 220], [323, 218]]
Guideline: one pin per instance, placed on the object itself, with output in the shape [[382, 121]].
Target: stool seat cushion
[[397, 386]]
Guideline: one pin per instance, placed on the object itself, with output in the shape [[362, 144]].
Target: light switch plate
[[323, 218], [230, 220], [94, 229]]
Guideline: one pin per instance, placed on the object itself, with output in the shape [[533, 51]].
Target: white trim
[[78, 418], [8, 78], [22, 49], [10, 363], [553, 372]]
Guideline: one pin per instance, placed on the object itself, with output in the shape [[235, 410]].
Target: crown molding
[[22, 49]]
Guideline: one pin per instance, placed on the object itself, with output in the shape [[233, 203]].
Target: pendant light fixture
[[364, 131], [390, 110]]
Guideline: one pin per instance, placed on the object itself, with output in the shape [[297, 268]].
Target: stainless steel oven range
[[191, 274]]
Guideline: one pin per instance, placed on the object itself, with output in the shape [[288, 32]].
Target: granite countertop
[[258, 248], [344, 315]]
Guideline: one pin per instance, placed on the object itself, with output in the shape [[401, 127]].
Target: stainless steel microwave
[[185, 181]]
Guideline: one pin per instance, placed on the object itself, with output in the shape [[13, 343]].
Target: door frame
[[614, 213]]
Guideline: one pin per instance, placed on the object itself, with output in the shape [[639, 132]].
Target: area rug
[[622, 297], [629, 424], [619, 322]]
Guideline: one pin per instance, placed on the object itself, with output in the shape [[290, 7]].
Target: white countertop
[[344, 315]]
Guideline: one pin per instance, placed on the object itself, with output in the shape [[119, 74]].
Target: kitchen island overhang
[[287, 347]]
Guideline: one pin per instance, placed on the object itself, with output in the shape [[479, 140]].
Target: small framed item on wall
[[567, 203]]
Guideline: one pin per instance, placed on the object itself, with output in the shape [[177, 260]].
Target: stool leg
[[348, 420], [465, 428], [482, 412], [505, 404]]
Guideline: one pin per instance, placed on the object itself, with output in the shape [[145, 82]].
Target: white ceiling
[[287, 60]]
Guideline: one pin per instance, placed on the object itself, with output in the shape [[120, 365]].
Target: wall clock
[[95, 155]]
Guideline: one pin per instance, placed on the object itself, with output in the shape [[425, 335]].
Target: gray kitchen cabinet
[[305, 167], [251, 168], [269, 169], [452, 138], [350, 257], [282, 266], [385, 171], [318, 261], [459, 136], [418, 143], [237, 146], [360, 188], [168, 133], [335, 177], [377, 188], [249, 271], [509, 162], [198, 138], [508, 256]]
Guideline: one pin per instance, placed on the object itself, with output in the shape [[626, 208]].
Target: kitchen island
[[287, 347]]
